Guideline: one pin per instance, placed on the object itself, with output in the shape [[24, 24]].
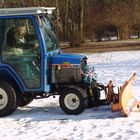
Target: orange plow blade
[[124, 100]]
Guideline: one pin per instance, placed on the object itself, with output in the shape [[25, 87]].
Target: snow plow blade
[[124, 101]]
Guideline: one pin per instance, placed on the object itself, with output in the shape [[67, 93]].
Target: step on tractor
[[32, 66]]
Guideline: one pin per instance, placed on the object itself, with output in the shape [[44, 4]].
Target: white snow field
[[44, 120]]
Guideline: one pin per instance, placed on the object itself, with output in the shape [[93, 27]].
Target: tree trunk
[[66, 20], [3, 4], [123, 32], [58, 22], [81, 19], [23, 3], [37, 2]]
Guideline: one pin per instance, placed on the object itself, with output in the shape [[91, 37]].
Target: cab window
[[21, 49]]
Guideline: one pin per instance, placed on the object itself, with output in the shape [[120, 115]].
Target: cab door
[[21, 50]]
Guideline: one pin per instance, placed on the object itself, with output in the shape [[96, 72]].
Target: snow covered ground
[[44, 120]]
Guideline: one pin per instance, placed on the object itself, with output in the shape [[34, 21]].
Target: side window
[[21, 49]]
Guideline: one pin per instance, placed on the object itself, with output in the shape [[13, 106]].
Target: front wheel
[[73, 101], [8, 99]]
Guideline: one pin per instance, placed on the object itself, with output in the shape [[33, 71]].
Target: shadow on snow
[[34, 113]]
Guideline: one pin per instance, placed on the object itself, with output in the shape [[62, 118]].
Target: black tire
[[8, 99], [73, 100], [25, 100]]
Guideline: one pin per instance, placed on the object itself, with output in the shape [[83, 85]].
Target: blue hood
[[67, 59]]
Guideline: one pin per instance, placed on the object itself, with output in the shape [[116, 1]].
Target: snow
[[43, 119]]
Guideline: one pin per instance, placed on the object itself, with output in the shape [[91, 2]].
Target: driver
[[16, 39]]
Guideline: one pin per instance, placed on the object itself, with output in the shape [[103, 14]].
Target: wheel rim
[[72, 101], [3, 99]]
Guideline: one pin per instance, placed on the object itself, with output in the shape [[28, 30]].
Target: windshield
[[49, 33]]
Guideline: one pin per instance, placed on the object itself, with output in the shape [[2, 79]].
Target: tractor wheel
[[73, 100], [8, 99], [25, 100]]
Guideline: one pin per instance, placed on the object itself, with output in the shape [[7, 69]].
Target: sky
[[43, 119]]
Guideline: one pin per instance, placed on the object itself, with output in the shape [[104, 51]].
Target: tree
[[3, 3], [91, 19], [81, 19]]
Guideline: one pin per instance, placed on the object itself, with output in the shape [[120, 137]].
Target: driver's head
[[85, 59], [20, 30]]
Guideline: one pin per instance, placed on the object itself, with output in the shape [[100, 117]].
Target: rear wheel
[[73, 100], [8, 99]]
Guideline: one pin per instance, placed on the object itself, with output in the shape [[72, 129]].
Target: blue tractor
[[32, 65]]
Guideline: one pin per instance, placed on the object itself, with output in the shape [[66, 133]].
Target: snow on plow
[[124, 101]]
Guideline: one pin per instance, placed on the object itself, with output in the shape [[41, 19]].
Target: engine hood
[[67, 59]]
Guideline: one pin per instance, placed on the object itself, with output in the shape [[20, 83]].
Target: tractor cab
[[27, 41]]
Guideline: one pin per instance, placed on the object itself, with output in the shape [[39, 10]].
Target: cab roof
[[25, 11]]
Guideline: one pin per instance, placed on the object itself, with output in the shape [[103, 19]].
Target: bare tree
[[23, 3], [81, 19], [3, 3]]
